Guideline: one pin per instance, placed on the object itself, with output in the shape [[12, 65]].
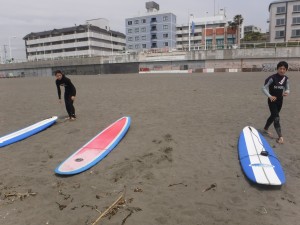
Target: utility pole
[[214, 7], [4, 49], [9, 46]]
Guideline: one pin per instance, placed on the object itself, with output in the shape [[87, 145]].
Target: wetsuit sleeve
[[58, 90], [265, 88], [287, 87]]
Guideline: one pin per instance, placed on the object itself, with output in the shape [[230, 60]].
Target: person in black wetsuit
[[70, 92], [275, 88]]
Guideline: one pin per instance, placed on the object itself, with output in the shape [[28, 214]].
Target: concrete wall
[[260, 59]]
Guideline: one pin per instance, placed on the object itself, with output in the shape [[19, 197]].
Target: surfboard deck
[[257, 158], [27, 131], [96, 149]]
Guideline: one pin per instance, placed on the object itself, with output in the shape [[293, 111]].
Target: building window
[[136, 22], [165, 18], [65, 42], [296, 20], [208, 43], [136, 30], [143, 29], [129, 31], [280, 22], [220, 43], [82, 48], [137, 46], [129, 22], [295, 33], [144, 38], [230, 41], [165, 35], [82, 39], [129, 38], [130, 46], [296, 8], [68, 33], [154, 45], [56, 42], [165, 27], [137, 38], [144, 46], [279, 34], [143, 20], [166, 44], [280, 10], [70, 50], [153, 28], [153, 20]]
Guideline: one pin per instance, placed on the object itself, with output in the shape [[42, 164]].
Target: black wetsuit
[[275, 85], [70, 91]]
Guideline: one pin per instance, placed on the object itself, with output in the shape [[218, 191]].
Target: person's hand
[[272, 98], [72, 98], [285, 94]]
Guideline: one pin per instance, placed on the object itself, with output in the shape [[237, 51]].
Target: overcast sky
[[19, 18]]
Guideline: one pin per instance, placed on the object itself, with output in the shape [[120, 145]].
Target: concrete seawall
[[228, 60]]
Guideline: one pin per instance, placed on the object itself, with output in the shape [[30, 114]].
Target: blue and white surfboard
[[26, 132], [258, 160]]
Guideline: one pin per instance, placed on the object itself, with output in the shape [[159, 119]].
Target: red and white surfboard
[[96, 149]]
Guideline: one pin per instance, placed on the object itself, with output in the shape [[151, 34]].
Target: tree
[[235, 24], [254, 36]]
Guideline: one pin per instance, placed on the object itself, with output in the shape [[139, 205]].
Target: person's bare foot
[[268, 133], [280, 140]]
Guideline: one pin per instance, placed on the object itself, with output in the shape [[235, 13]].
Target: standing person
[[275, 88], [70, 92]]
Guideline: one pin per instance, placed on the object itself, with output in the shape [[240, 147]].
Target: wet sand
[[183, 138]]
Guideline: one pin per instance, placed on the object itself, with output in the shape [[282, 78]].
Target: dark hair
[[283, 63], [58, 71]]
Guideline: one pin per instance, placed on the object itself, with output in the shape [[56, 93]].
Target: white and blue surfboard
[[258, 160], [26, 132]]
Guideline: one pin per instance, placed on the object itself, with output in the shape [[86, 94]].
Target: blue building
[[153, 30]]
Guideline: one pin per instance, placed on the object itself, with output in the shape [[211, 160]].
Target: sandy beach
[[183, 139]]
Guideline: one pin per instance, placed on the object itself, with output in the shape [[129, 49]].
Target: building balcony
[[44, 56], [59, 46], [56, 38], [106, 37], [186, 31], [74, 45], [196, 38]]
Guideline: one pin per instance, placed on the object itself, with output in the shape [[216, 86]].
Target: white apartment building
[[91, 39], [284, 21], [251, 28], [208, 32]]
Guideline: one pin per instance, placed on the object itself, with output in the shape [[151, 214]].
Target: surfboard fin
[[264, 153]]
